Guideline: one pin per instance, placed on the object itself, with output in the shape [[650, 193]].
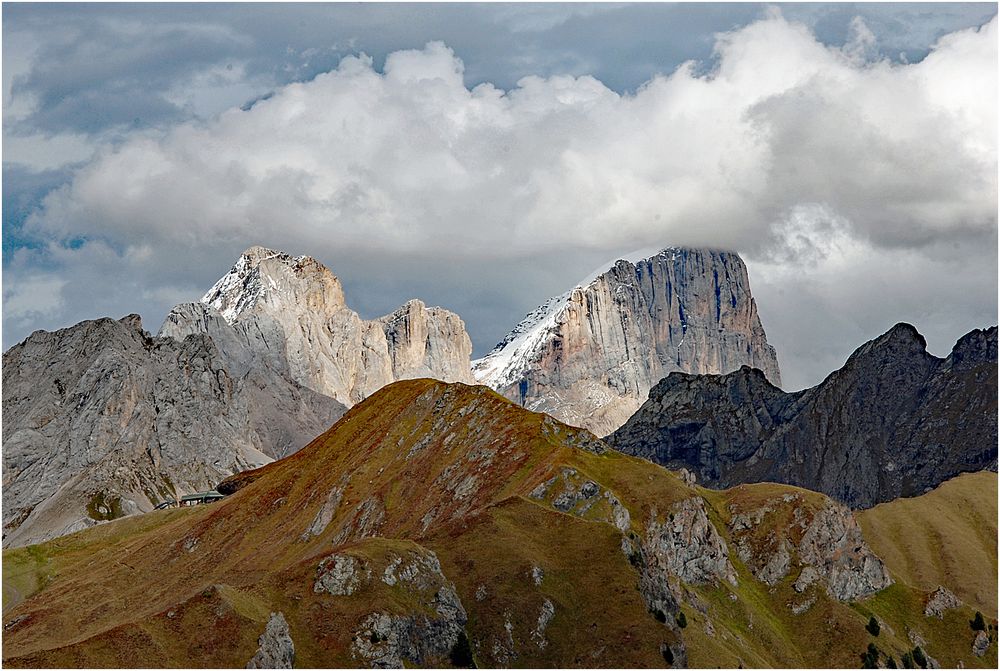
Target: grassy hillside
[[945, 537], [422, 466]]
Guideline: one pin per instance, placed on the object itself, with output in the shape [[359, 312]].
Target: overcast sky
[[485, 157]]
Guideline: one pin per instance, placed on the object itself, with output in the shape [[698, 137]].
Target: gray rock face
[[340, 575], [424, 637], [292, 312], [941, 600], [688, 546], [101, 420], [824, 545], [325, 514], [569, 492], [276, 651], [894, 421], [590, 356], [980, 644], [834, 546]]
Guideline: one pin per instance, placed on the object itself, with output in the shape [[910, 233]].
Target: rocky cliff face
[[101, 420], [292, 311], [590, 356], [894, 421]]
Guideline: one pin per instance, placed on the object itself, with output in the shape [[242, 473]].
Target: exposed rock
[[101, 420], [421, 571], [654, 581], [325, 514], [941, 600], [292, 309], [590, 356], [503, 649], [981, 644], [427, 342], [620, 516], [276, 651], [776, 567], [834, 546], [894, 421], [548, 611], [688, 546], [424, 637], [537, 575], [807, 577], [340, 575], [571, 493], [799, 608], [826, 542], [366, 521]]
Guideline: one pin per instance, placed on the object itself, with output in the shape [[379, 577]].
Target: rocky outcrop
[[276, 651], [570, 492], [424, 637], [980, 644], [834, 546], [941, 600], [292, 312], [427, 342], [823, 543], [101, 420], [688, 546], [590, 356], [341, 575], [894, 421]]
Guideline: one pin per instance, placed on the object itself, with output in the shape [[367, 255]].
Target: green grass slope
[[945, 537]]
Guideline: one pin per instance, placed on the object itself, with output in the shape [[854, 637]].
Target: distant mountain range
[[894, 421], [103, 420]]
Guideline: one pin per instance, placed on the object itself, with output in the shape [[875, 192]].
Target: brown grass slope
[[420, 466], [945, 537]]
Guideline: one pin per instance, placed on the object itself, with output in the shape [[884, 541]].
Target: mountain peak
[[263, 276], [902, 341], [589, 356]]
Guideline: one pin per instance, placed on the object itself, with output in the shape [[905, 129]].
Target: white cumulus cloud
[[410, 163]]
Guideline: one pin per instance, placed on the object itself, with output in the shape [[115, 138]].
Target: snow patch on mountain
[[239, 290], [503, 364], [520, 348]]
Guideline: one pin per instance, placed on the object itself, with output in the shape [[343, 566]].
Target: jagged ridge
[[894, 421], [101, 420]]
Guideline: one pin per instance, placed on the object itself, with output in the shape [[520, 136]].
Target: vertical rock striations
[[590, 356], [894, 421], [292, 311]]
